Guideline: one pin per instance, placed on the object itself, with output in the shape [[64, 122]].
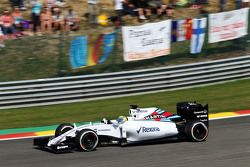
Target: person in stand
[[60, 3], [36, 13], [19, 3], [7, 22], [46, 21], [237, 4], [49, 3], [118, 5], [18, 18], [143, 8], [92, 11], [222, 4], [128, 8], [169, 11], [245, 3], [58, 20], [123, 7], [160, 8], [133, 8], [72, 21]]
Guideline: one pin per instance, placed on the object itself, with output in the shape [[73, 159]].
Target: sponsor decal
[[200, 112], [139, 111], [201, 116], [62, 147], [192, 104], [148, 129], [138, 131], [204, 120], [153, 117], [104, 130]]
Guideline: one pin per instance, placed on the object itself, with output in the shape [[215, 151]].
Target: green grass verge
[[230, 96]]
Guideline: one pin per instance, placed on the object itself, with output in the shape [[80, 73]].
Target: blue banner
[[108, 41], [78, 52]]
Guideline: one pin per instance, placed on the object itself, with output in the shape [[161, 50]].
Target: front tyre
[[196, 131], [87, 140], [63, 128]]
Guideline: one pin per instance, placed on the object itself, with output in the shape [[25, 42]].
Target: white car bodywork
[[133, 131], [143, 124]]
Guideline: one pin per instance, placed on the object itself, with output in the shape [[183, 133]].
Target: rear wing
[[193, 111]]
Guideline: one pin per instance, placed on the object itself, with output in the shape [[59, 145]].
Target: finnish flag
[[198, 35]]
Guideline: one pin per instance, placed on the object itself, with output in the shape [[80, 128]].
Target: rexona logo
[[146, 130]]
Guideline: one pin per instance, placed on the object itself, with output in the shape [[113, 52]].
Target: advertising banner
[[228, 25], [146, 41]]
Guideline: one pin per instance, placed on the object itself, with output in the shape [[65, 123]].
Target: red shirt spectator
[[7, 23], [7, 19]]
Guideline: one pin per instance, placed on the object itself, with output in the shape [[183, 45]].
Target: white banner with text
[[228, 25], [146, 41]]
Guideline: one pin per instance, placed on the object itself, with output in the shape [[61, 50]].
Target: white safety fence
[[101, 86]]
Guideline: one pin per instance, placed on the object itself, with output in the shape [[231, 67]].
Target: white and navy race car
[[142, 125]]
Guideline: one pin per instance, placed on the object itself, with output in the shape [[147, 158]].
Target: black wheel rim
[[89, 141], [199, 132]]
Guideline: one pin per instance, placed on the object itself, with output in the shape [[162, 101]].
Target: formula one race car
[[142, 125]]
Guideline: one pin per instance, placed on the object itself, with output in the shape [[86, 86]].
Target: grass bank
[[222, 97]]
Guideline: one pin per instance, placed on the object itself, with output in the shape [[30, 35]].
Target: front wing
[[42, 143]]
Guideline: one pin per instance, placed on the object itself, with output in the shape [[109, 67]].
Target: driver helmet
[[121, 119]]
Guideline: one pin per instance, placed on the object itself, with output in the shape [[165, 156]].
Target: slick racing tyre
[[196, 131], [63, 128], [87, 140]]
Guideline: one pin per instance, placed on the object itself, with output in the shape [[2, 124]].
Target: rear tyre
[[63, 128], [196, 131], [87, 140]]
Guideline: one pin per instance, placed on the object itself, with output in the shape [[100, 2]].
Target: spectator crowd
[[49, 16], [144, 9], [46, 17]]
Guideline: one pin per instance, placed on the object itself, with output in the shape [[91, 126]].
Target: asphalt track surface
[[228, 145]]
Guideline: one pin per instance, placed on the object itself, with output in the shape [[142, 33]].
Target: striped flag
[[108, 42], [85, 51], [78, 52], [93, 45], [98, 44], [198, 35], [188, 29], [181, 30]]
